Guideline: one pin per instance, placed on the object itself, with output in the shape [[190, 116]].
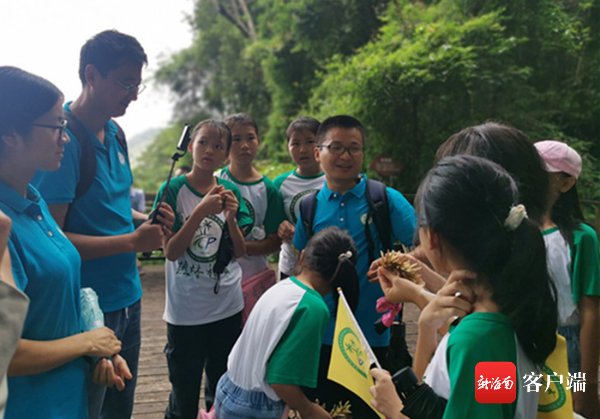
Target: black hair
[[326, 254], [567, 214], [466, 200], [340, 121], [304, 123], [514, 151], [241, 119], [108, 50], [223, 129], [24, 97]]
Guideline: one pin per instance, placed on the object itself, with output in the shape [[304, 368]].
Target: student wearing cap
[[574, 266]]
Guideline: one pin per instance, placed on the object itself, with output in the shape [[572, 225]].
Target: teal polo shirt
[[349, 211], [46, 267], [104, 210]]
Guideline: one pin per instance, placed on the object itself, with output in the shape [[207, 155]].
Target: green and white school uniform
[[281, 341], [585, 279], [293, 187], [558, 259], [263, 202], [190, 297], [575, 272], [479, 337]]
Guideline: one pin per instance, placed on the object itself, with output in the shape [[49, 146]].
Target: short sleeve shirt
[[585, 263], [478, 337], [104, 210], [558, 260], [265, 207], [46, 268], [281, 341], [190, 297], [293, 187], [349, 212]]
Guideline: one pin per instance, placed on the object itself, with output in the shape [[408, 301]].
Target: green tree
[[413, 71], [215, 75], [437, 67]]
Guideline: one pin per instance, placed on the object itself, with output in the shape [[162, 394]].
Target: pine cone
[[395, 262]]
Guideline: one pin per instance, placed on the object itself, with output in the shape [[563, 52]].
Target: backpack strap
[[87, 162], [379, 214], [121, 139], [308, 208]]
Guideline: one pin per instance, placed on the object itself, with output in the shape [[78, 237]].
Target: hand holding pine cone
[[399, 264]]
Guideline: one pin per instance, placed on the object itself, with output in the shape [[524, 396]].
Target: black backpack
[[379, 213], [87, 164]]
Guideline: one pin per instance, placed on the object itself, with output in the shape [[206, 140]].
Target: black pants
[[331, 393], [190, 350]]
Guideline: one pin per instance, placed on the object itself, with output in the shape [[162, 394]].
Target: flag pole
[[372, 357]]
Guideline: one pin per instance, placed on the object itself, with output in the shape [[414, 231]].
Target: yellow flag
[[555, 399], [350, 356]]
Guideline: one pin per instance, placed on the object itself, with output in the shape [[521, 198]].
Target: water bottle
[[91, 315]]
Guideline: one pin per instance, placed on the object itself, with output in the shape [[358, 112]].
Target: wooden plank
[[153, 387]]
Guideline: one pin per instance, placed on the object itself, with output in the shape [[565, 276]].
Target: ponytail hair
[[472, 203], [331, 254]]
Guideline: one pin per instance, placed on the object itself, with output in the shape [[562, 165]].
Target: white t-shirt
[[265, 208], [190, 280], [558, 259], [281, 340], [293, 187]]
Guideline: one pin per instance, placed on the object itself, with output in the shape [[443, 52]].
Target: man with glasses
[[99, 221], [343, 202]]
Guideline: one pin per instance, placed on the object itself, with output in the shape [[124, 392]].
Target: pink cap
[[559, 157]]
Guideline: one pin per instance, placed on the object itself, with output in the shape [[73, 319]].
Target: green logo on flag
[[352, 350], [555, 396]]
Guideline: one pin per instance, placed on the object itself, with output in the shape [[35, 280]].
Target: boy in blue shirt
[[99, 222], [343, 202]]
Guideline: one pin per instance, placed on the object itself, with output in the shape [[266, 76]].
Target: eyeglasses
[[61, 127], [337, 149], [132, 88]]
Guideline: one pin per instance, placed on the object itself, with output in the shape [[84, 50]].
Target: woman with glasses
[[47, 375]]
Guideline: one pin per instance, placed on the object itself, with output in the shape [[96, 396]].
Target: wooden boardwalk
[[153, 384]]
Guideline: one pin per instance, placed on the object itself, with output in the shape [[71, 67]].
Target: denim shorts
[[233, 402], [571, 335]]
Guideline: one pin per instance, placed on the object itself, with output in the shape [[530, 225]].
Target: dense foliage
[[413, 71]]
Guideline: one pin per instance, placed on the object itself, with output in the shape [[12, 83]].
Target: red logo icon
[[495, 382]]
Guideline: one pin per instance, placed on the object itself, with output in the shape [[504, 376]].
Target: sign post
[[385, 166]]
